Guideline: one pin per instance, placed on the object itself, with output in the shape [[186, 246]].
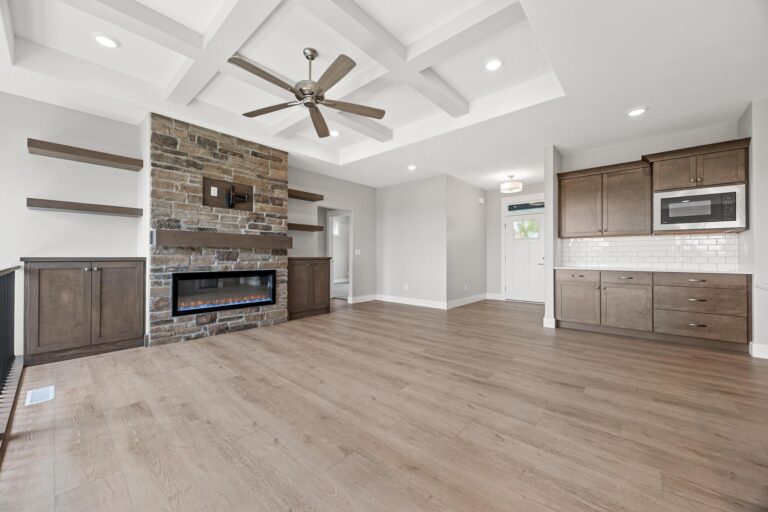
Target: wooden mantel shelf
[[180, 238], [69, 206], [303, 227], [304, 196], [88, 156]]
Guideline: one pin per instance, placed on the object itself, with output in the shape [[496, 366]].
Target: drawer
[[613, 276], [735, 281], [701, 325], [701, 300], [586, 276]]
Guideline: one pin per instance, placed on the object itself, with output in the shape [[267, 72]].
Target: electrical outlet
[[405, 287], [214, 191], [466, 287]]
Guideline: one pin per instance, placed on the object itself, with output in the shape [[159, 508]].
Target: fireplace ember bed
[[200, 292]]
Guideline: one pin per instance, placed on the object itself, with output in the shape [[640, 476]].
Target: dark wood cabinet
[[581, 200], [577, 298], [627, 306], [309, 287], [701, 166], [613, 200], [80, 307]]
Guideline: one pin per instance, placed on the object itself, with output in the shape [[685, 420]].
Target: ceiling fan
[[310, 93]]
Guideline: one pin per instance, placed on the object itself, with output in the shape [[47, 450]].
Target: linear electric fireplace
[[198, 292]]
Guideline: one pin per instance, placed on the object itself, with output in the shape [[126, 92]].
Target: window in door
[[525, 229]]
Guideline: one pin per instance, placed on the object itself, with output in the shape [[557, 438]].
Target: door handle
[[696, 325], [697, 300]]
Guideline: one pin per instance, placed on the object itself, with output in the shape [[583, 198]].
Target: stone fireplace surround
[[181, 155]]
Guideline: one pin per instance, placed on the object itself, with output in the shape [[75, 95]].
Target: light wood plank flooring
[[383, 407]]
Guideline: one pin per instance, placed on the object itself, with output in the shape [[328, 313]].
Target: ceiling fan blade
[[250, 67], [273, 108], [354, 108], [317, 119], [335, 72]]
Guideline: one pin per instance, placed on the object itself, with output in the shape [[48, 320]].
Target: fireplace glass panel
[[211, 291]]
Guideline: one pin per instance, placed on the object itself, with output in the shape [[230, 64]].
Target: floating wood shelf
[[88, 156], [96, 209], [177, 238], [304, 227], [304, 196]]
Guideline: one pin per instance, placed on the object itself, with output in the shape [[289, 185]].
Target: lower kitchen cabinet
[[667, 306], [309, 287], [76, 307]]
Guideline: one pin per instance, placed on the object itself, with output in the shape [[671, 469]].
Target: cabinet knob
[[95, 269], [597, 287], [86, 269], [699, 179], [693, 180]]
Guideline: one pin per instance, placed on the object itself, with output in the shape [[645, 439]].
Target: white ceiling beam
[[478, 24], [438, 91], [227, 35], [363, 125], [237, 72], [6, 34], [144, 22]]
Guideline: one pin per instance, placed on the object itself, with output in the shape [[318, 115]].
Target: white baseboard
[[361, 298], [494, 296], [759, 350], [549, 322], [435, 304], [466, 300]]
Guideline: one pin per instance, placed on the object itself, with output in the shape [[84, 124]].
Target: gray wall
[[412, 240], [342, 195], [40, 233], [466, 240]]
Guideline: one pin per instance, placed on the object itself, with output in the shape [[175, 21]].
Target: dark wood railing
[[9, 366]]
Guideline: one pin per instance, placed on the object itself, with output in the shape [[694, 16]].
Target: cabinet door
[[675, 173], [117, 301], [299, 282], [578, 302], [627, 306], [320, 294], [627, 202], [581, 206], [58, 306], [721, 168]]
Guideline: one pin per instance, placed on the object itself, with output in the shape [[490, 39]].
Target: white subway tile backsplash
[[685, 252]]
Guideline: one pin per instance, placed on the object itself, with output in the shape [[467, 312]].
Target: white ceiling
[[571, 70]]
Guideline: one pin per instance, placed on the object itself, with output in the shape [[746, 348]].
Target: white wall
[[412, 238], [466, 241], [30, 233], [342, 195], [494, 256], [759, 223]]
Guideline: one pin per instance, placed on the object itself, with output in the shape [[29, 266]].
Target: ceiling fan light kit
[[310, 93]]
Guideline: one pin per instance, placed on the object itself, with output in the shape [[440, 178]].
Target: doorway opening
[[339, 248], [523, 246]]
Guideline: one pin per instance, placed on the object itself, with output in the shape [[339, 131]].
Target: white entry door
[[524, 257]]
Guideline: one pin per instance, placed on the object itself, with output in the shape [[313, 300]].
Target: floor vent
[[35, 396]]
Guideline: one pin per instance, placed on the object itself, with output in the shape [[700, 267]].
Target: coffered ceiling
[[570, 70]]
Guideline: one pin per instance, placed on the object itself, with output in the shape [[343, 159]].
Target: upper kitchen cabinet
[[701, 166], [614, 200]]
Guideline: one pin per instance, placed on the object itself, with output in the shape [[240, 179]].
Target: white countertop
[[624, 269]]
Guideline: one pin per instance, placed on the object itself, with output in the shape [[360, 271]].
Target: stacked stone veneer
[[182, 154]]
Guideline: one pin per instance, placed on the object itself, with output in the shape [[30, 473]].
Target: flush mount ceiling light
[[105, 40], [411, 167], [637, 111], [334, 133], [493, 64], [511, 186]]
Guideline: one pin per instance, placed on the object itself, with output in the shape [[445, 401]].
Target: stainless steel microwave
[[701, 208]]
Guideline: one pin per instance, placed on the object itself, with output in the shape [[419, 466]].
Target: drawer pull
[[577, 275], [626, 277], [697, 280], [697, 300], [696, 325]]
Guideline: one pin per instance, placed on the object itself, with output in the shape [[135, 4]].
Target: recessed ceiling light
[[637, 111], [105, 40], [411, 167], [334, 133], [493, 64]]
